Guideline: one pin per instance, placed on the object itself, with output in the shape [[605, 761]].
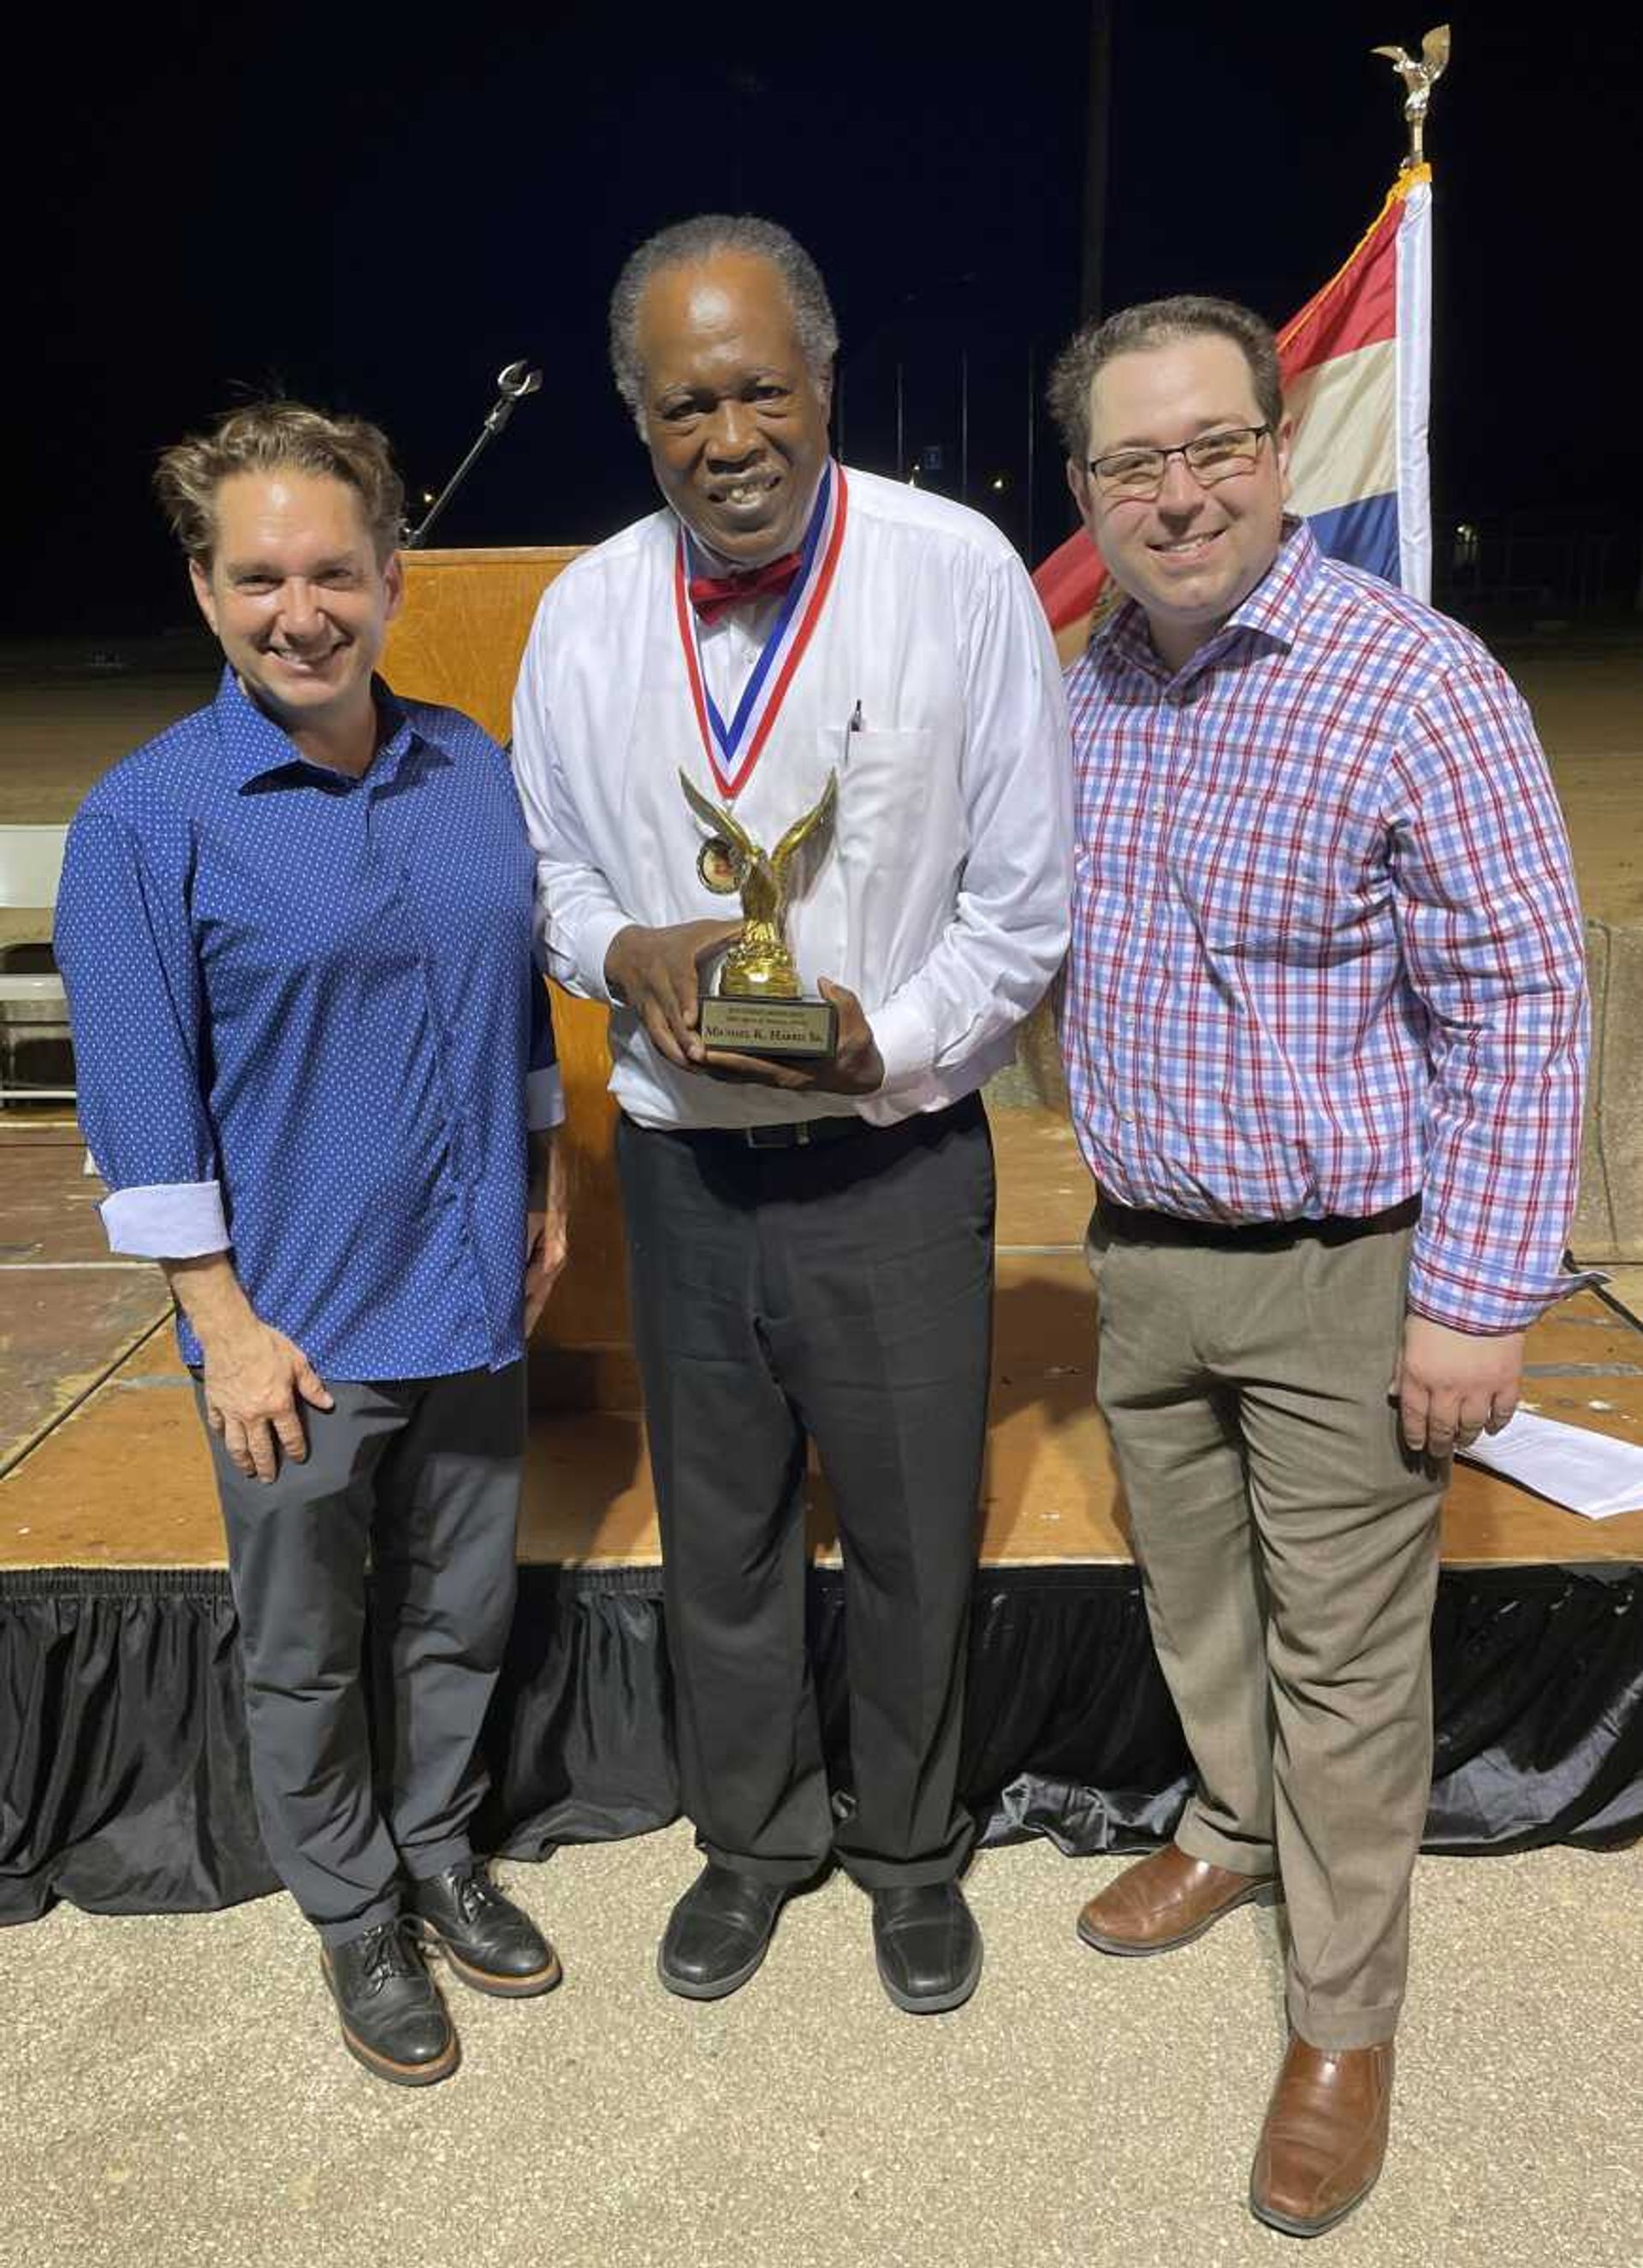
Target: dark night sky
[[378, 212]]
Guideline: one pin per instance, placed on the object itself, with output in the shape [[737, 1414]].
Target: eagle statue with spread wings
[[1418, 80], [759, 965]]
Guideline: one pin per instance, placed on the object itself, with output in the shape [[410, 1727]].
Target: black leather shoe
[[491, 1943], [394, 2021], [928, 1946], [719, 1933]]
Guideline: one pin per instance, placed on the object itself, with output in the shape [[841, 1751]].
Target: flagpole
[[1032, 449], [1097, 111], [1413, 349]]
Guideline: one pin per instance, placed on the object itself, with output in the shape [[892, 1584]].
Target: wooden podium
[[458, 639]]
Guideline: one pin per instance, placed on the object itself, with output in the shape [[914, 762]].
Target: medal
[[720, 866]]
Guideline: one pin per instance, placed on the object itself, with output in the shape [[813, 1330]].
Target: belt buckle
[[779, 1136]]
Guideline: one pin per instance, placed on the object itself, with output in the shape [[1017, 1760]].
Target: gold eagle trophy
[[758, 1008]]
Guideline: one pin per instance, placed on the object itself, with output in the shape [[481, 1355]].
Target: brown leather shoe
[[1324, 2139], [1167, 1900]]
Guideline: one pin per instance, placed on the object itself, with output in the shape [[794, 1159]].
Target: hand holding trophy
[[758, 1008]]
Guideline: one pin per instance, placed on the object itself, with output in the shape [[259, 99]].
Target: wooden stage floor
[[109, 1469]]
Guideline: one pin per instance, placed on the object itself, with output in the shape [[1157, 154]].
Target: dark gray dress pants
[[420, 1479], [842, 1292]]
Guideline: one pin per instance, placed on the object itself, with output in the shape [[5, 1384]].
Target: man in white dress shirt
[[810, 1242]]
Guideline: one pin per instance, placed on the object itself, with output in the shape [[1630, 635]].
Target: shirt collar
[[254, 745], [1272, 611]]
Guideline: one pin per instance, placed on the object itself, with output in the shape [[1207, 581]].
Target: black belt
[[798, 1133], [921, 1126], [788, 1134], [1140, 1225]]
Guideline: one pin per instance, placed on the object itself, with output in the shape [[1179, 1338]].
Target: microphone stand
[[516, 381]]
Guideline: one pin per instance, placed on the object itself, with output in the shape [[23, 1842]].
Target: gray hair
[[1158, 323], [689, 244]]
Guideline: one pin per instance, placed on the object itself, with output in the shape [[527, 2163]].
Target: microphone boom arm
[[516, 381]]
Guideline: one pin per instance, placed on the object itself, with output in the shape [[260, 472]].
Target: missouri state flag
[[1357, 363]]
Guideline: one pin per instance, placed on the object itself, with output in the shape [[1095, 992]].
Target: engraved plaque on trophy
[[758, 1008]]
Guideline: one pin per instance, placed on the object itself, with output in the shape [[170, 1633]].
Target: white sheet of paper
[[1587, 1471]]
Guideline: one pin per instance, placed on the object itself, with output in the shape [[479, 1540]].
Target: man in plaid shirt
[[1324, 1026]]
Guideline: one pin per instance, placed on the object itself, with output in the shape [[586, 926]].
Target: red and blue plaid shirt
[[1326, 947]]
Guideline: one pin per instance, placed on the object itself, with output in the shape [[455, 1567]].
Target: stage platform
[[125, 1789]]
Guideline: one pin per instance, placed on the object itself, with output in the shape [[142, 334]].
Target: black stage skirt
[[124, 1786]]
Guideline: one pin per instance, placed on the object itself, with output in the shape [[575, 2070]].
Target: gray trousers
[[1288, 1547], [844, 1293], [420, 1479]]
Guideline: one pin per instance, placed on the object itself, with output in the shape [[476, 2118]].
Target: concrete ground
[[175, 2091]]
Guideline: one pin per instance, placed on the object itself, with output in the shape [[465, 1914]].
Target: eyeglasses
[[1212, 457]]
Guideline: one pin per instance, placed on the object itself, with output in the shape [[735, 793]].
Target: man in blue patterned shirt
[[295, 932], [1325, 1028]]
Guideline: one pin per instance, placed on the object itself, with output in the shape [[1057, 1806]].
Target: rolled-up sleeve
[[125, 946]]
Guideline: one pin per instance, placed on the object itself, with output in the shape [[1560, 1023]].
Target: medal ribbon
[[735, 749]]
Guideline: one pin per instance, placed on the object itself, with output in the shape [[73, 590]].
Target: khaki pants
[[1288, 1552]]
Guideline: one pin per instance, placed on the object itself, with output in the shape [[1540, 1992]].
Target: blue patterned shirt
[[1326, 949], [307, 1027]]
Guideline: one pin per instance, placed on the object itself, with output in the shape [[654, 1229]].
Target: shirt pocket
[[892, 800]]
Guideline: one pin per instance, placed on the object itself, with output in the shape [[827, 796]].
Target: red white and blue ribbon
[[1356, 362], [735, 748]]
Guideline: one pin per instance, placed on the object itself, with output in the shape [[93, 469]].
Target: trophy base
[[784, 1030]]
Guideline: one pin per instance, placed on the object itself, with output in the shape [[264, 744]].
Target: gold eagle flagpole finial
[[1419, 77]]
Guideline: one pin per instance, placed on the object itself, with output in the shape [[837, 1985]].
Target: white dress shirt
[[943, 900]]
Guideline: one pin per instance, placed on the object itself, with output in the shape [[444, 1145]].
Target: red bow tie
[[711, 594]]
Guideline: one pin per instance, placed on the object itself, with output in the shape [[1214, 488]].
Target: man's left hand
[[1451, 1386], [545, 1242], [854, 1067]]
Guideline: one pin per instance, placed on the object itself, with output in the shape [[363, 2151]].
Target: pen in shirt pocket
[[855, 726]]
